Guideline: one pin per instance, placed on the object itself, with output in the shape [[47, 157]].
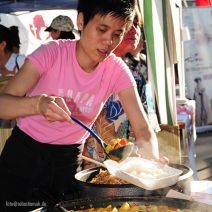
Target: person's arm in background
[[146, 139], [4, 71]]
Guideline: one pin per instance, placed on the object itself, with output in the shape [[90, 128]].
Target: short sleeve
[[45, 56]]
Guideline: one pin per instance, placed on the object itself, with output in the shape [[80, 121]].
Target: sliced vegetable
[[123, 141], [116, 143]]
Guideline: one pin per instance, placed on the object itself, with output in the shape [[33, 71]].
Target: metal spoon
[[118, 154]]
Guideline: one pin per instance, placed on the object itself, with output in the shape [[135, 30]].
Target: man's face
[[130, 41], [100, 37], [55, 34], [3, 45]]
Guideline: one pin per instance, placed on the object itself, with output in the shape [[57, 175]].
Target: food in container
[[104, 177], [116, 143], [149, 175]]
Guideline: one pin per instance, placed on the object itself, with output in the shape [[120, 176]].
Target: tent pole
[[185, 3]]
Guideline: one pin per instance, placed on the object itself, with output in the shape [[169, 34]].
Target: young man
[[61, 78], [10, 59]]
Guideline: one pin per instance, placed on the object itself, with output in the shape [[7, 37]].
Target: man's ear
[[80, 21], [3, 45]]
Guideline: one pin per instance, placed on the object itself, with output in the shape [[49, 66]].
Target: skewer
[[93, 161]]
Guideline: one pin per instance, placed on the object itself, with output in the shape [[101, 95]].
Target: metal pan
[[82, 204], [87, 189]]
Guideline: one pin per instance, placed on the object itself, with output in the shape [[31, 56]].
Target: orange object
[[203, 2], [123, 142], [116, 143]]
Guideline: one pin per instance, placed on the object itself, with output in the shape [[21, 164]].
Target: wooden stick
[[93, 161]]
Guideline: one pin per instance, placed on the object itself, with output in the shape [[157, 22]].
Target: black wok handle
[[99, 140]]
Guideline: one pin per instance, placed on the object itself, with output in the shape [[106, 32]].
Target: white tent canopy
[[10, 6], [32, 18]]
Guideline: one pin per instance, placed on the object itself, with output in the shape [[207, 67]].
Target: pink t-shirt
[[85, 93]]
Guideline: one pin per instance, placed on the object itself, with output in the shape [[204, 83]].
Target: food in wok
[[135, 208], [104, 177]]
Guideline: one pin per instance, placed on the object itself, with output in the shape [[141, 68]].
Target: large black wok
[[87, 189], [83, 204]]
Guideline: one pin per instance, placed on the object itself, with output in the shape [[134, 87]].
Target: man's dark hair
[[197, 79], [15, 36], [66, 35], [123, 9], [10, 36]]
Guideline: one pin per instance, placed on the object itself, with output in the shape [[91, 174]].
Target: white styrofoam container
[[147, 174]]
